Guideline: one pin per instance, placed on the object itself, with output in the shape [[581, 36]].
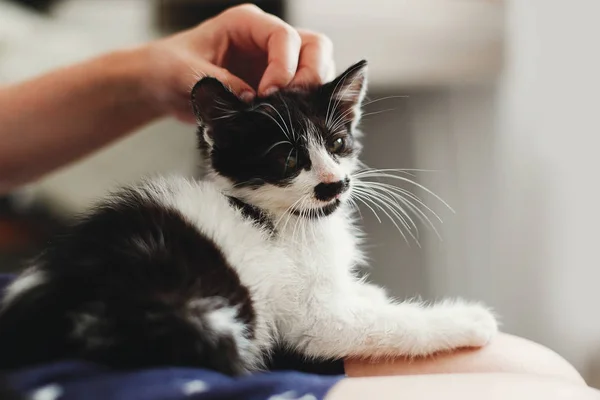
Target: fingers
[[297, 57], [316, 65], [201, 68], [237, 85], [180, 104], [252, 30], [283, 51]]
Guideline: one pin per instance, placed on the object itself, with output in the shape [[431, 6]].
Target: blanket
[[77, 379]]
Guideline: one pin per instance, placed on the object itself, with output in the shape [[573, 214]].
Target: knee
[[508, 354], [512, 354]]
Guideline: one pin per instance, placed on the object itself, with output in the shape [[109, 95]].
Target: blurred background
[[500, 100]]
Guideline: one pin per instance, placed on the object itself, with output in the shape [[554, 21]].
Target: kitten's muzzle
[[330, 191]]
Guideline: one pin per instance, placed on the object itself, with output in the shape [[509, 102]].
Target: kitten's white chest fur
[[306, 295], [324, 251]]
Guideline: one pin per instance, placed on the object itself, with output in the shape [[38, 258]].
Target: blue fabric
[[80, 380]]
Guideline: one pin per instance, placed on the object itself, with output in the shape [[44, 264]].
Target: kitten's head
[[293, 151]]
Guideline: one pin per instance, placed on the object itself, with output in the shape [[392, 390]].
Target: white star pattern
[[291, 396], [193, 387], [48, 392]]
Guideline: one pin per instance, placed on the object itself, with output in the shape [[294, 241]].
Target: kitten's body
[[217, 273]]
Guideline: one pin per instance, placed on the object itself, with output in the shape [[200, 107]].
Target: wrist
[[132, 70]]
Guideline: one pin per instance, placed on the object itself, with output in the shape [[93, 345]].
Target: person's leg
[[506, 353], [490, 386], [508, 368]]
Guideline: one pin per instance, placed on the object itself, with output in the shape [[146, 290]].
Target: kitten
[[216, 273]]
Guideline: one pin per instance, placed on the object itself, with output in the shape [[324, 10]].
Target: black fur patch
[[136, 269], [318, 212], [327, 191], [290, 360], [252, 143], [257, 215]]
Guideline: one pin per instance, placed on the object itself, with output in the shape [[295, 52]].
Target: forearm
[[57, 118]]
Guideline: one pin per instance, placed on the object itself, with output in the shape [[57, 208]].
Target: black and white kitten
[[216, 273]]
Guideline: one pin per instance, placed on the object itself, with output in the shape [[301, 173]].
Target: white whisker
[[355, 206], [399, 195], [404, 192], [377, 204], [341, 79], [300, 217], [293, 133], [393, 207], [362, 200], [274, 120], [378, 173], [394, 199], [275, 145], [339, 98], [288, 211], [377, 112], [366, 103], [287, 130]]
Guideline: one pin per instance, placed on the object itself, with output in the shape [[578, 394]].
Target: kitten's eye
[[291, 163], [337, 145]]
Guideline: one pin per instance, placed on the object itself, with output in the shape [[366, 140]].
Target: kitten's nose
[[329, 191]]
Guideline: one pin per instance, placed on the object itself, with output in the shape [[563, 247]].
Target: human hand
[[244, 47]]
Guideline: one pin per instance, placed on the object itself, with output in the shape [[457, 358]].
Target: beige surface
[[506, 354], [508, 368], [461, 386]]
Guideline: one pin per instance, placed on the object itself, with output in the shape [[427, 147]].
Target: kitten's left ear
[[347, 92], [213, 101]]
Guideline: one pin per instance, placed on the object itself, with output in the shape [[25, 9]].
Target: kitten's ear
[[213, 101], [347, 91]]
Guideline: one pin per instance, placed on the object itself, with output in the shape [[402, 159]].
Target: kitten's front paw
[[477, 323], [457, 324]]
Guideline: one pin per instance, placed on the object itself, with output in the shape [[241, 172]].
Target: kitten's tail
[[40, 325]]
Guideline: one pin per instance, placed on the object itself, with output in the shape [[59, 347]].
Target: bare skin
[[491, 386], [55, 119], [505, 354], [508, 368]]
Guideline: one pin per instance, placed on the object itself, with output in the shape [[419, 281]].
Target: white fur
[[223, 321], [87, 328], [29, 279], [302, 279], [325, 169]]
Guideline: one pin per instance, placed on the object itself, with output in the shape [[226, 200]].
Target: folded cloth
[[75, 379]]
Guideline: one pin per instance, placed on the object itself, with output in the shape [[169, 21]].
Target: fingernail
[[247, 96], [271, 90]]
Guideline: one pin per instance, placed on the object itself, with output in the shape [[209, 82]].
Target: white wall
[[548, 190], [411, 43], [523, 166]]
